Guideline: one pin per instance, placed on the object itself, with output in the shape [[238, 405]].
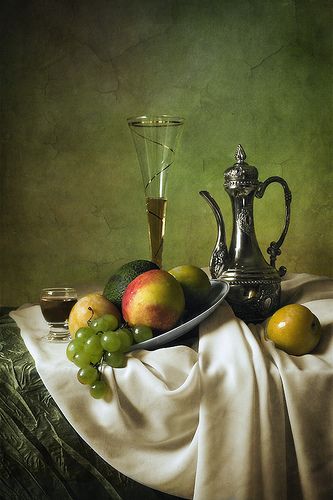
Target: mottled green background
[[254, 72]]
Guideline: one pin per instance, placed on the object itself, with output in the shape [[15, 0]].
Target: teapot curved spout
[[220, 256]]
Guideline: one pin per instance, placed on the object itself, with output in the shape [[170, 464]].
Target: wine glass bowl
[[155, 139]]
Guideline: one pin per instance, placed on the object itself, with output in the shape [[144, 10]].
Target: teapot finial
[[240, 155]]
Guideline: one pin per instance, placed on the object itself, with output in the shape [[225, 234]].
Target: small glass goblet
[[56, 304]]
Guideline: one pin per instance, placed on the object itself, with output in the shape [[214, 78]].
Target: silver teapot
[[255, 285]]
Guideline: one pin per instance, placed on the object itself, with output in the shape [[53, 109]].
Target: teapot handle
[[274, 248]]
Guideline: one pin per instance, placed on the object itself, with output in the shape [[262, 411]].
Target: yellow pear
[[89, 307], [294, 329]]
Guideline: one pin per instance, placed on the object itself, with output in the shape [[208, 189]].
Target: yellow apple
[[88, 307], [294, 329]]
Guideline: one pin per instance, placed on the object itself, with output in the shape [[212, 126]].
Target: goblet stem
[[156, 213]]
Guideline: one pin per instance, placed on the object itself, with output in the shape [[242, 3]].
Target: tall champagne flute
[[155, 139]]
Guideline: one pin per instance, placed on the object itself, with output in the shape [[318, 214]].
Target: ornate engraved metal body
[[255, 285]]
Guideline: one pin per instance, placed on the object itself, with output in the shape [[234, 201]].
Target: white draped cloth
[[237, 419]]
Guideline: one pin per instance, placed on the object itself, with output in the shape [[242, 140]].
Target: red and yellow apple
[[89, 307], [294, 329], [154, 299]]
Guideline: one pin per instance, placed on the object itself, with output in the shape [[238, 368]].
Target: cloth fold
[[238, 419]]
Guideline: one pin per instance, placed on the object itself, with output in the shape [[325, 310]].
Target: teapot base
[[253, 300]]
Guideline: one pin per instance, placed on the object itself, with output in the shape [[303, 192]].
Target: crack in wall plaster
[[269, 56], [53, 212], [99, 212], [96, 267], [52, 62], [139, 42], [107, 60], [111, 60], [113, 92], [53, 146], [45, 88]]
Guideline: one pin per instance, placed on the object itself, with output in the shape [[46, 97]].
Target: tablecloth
[[41, 455], [236, 419]]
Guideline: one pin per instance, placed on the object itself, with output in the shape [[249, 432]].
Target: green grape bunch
[[102, 342]]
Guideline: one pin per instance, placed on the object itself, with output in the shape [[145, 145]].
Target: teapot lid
[[241, 173]]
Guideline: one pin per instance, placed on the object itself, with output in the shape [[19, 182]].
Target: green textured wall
[[254, 72]]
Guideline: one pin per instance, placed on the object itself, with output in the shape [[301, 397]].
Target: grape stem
[[101, 366]]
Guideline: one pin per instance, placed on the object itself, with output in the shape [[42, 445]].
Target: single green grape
[[113, 322], [96, 358], [84, 333], [87, 375], [74, 347], [115, 359], [98, 389], [110, 341], [142, 333], [81, 359], [93, 347], [126, 338], [104, 323]]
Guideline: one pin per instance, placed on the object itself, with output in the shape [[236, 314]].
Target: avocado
[[115, 287]]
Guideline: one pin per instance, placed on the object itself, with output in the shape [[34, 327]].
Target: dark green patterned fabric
[[41, 455]]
